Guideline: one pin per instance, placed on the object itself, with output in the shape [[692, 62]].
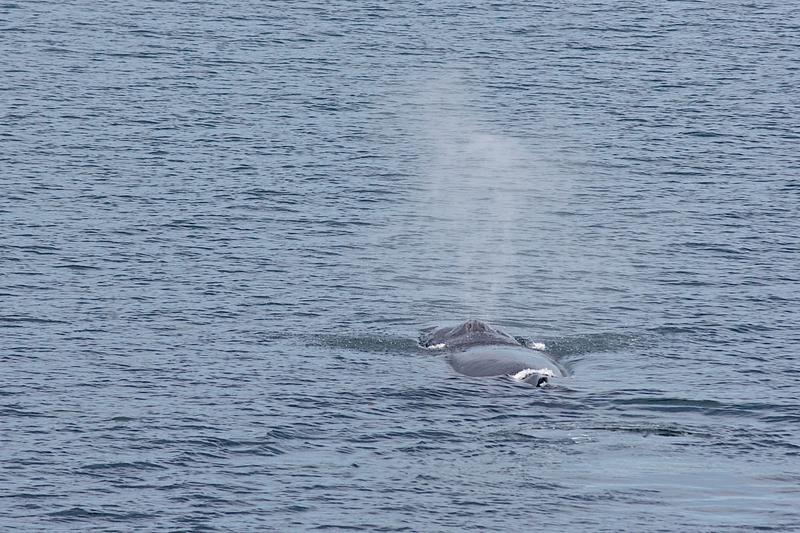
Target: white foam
[[441, 346], [522, 375], [539, 346]]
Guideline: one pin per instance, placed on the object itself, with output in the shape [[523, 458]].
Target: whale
[[475, 348]]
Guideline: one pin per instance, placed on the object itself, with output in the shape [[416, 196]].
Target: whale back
[[467, 334], [497, 360]]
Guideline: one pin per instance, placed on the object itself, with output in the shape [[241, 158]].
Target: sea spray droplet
[[522, 375]]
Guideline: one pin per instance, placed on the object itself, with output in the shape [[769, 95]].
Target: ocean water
[[224, 224]]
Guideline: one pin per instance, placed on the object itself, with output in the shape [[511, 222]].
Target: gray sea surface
[[223, 225]]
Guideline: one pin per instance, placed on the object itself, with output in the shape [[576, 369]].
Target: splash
[[480, 197], [441, 346], [522, 375]]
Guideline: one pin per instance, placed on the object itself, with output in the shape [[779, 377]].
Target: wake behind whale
[[474, 348]]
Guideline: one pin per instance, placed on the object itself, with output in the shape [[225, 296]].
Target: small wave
[[218, 447], [76, 266], [79, 513], [122, 419], [30, 320], [136, 465], [671, 404], [30, 495], [360, 527], [17, 411]]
